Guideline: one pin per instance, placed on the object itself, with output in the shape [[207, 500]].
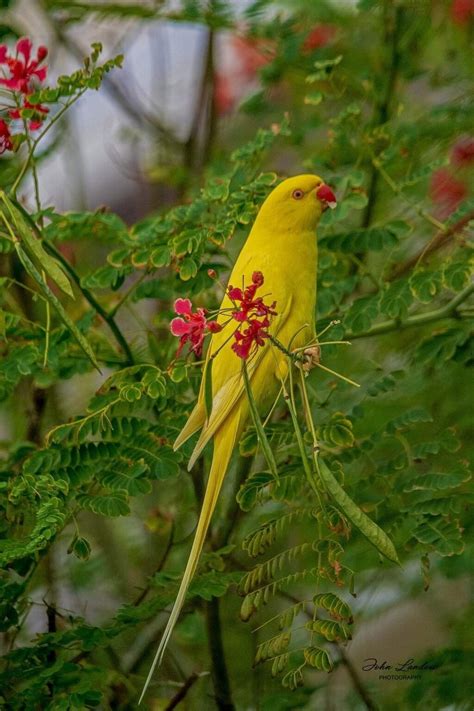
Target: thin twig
[[110, 321], [441, 239], [181, 694]]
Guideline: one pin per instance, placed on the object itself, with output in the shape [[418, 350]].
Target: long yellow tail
[[224, 441]]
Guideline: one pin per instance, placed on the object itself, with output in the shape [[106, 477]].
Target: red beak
[[326, 195]]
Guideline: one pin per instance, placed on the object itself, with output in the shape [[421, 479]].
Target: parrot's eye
[[297, 194]]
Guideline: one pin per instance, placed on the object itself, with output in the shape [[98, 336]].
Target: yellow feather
[[282, 245]]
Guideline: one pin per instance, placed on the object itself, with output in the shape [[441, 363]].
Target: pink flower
[[23, 71], [191, 327], [5, 137]]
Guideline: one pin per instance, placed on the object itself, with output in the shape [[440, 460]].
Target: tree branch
[[392, 22], [357, 683], [448, 311], [220, 676], [180, 695]]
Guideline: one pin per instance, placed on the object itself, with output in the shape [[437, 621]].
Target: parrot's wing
[[227, 396]]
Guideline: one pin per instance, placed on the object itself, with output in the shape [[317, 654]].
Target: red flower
[[252, 54], [34, 123], [319, 36], [23, 71], [193, 327], [5, 137], [462, 11], [250, 308], [446, 192], [224, 98], [249, 305], [463, 151], [256, 333]]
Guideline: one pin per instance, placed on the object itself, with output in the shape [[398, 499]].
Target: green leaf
[[440, 535], [425, 284], [188, 269], [443, 347], [371, 531], [396, 299], [337, 608], [355, 241], [362, 314], [318, 658], [217, 189], [332, 631], [179, 372], [409, 417], [457, 275], [439, 482], [80, 547], [160, 257], [314, 98], [105, 505], [32, 245], [54, 301], [248, 493]]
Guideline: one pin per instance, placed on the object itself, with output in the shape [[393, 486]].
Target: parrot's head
[[298, 203]]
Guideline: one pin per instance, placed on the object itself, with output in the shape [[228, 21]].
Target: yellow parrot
[[282, 245]]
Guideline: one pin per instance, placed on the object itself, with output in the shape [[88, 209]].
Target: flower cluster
[[191, 327], [248, 310], [20, 73], [253, 311]]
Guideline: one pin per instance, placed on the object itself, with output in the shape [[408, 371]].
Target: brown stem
[[356, 681], [198, 145], [38, 405], [220, 676], [180, 695], [392, 23], [440, 240], [159, 567]]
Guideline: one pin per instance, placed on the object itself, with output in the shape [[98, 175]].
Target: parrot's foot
[[311, 358]]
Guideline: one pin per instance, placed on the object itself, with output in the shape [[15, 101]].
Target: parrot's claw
[[311, 358]]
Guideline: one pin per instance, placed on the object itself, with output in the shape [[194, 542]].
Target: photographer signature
[[372, 664]]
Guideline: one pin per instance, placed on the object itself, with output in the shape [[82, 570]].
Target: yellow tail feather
[[224, 441], [194, 423]]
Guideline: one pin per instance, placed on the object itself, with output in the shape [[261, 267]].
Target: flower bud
[[42, 53]]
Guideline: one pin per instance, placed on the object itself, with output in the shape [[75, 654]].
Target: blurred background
[[198, 80]]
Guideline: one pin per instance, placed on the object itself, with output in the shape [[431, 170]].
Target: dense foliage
[[96, 505]]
